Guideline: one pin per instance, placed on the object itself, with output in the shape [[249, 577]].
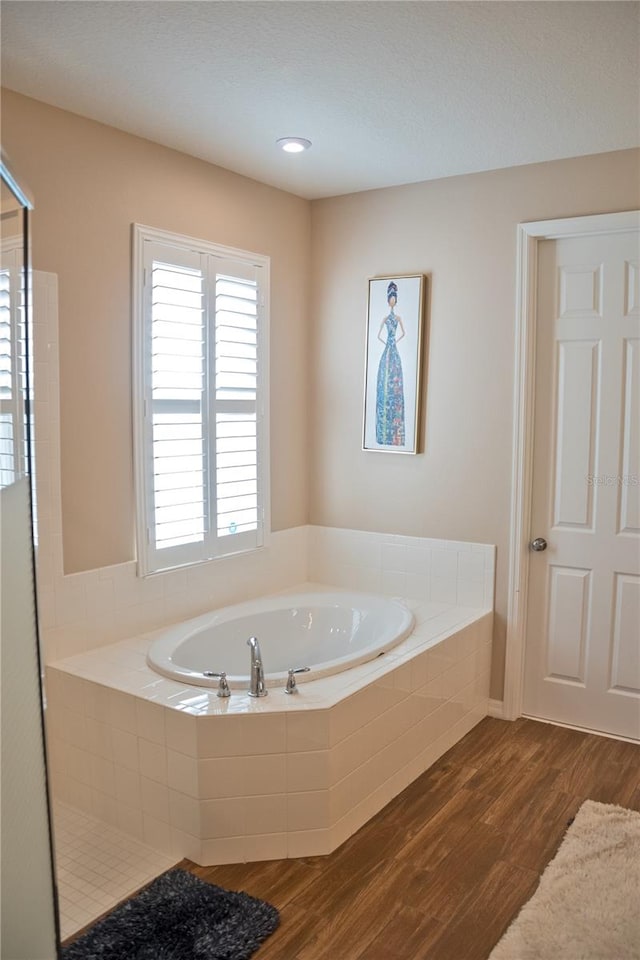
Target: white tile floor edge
[[97, 866]]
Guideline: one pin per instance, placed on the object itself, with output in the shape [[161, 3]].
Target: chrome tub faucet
[[257, 686]]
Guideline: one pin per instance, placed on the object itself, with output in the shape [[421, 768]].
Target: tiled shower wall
[[81, 611]]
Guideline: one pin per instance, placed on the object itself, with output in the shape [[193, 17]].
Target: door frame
[[529, 236]]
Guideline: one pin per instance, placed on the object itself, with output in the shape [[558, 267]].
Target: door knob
[[538, 544]]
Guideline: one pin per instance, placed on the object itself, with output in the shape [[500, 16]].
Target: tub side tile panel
[[154, 799], [308, 771], [349, 715], [181, 732], [150, 721], [103, 778], [223, 818], [402, 677], [265, 814], [185, 845], [264, 775], [125, 749], [77, 763], [97, 703], [122, 711], [242, 776], [73, 729], [308, 730], [419, 671], [366, 778], [309, 843], [100, 738], [128, 787], [268, 846], [219, 736], [152, 758], [220, 778], [348, 755], [263, 735], [308, 811], [185, 813], [221, 851], [182, 773]]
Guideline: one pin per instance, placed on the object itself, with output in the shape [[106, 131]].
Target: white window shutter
[[200, 435], [13, 383], [236, 396]]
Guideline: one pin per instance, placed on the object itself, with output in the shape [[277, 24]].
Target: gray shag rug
[[587, 905], [179, 917]]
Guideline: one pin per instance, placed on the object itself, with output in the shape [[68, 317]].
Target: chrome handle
[[223, 686], [538, 544], [291, 686]]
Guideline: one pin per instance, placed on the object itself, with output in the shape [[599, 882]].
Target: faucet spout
[[257, 686]]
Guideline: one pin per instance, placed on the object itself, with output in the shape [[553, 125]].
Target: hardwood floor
[[443, 869]]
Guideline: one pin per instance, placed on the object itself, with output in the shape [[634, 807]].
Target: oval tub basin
[[328, 632]]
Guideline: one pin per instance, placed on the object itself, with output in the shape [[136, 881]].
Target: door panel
[[578, 367], [625, 643], [582, 663], [632, 288], [569, 596], [628, 492]]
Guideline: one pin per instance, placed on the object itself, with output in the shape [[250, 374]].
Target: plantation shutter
[[199, 470], [176, 411], [236, 323], [12, 368]]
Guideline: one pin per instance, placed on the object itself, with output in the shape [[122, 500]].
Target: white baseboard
[[496, 709]]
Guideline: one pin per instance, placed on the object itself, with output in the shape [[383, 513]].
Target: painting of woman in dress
[[393, 363], [390, 387]]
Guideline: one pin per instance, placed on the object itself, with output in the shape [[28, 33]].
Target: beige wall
[[89, 183], [461, 231]]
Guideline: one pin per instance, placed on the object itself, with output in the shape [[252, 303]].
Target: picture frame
[[393, 363]]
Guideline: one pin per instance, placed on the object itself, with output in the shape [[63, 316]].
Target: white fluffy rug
[[587, 905]]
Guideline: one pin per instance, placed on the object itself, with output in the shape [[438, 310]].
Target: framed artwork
[[395, 318]]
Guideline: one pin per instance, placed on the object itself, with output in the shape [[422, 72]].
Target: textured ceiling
[[389, 92]]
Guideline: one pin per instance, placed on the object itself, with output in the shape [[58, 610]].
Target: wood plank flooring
[[440, 872]]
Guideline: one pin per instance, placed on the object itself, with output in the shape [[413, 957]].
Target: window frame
[[148, 556]]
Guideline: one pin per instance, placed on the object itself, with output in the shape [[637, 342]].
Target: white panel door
[[582, 662]]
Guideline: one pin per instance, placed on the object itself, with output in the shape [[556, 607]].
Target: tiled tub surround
[[231, 780], [279, 777]]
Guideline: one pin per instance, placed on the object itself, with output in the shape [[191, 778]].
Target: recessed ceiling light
[[293, 144]]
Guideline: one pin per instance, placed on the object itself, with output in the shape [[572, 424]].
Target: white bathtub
[[328, 632]]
